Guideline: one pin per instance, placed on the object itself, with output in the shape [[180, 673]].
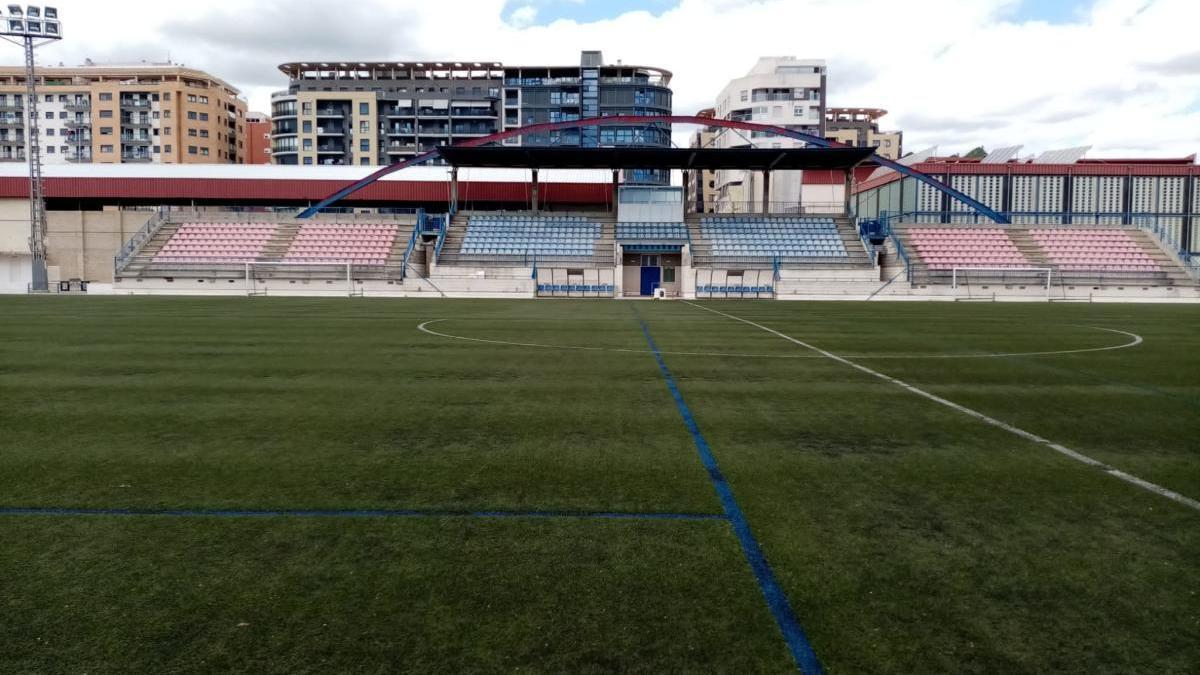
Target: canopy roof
[[752, 159]]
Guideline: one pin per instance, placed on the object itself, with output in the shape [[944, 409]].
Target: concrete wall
[[81, 244]]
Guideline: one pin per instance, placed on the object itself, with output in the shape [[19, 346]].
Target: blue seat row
[[655, 231], [734, 289], [575, 288]]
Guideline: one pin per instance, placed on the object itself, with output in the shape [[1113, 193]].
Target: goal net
[[970, 277], [333, 278]]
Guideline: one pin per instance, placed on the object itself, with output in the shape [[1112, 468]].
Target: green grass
[[909, 537]]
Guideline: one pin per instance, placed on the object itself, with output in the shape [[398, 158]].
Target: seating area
[[1093, 250], [216, 243], [575, 288], [775, 237], [651, 232], [734, 290], [364, 244], [565, 236], [944, 248]]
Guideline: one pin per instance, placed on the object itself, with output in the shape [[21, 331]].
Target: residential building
[[860, 127], [782, 91], [258, 139], [382, 113], [702, 183], [146, 112]]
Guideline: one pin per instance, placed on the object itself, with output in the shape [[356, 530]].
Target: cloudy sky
[[1120, 75]]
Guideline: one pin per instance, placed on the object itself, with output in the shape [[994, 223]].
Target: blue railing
[[1048, 217], [441, 240], [408, 251], [902, 253]]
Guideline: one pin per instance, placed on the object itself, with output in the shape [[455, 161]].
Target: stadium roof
[[752, 159]]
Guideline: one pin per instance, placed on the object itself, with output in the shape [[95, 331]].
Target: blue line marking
[[793, 633], [345, 513]]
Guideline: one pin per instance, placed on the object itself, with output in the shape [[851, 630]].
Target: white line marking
[[1136, 340], [1077, 456]]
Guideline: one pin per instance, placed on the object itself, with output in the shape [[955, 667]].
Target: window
[[308, 144], [153, 97], [167, 97], [106, 131], [64, 149], [306, 108], [204, 151], [798, 111], [365, 161], [204, 99], [668, 275], [49, 99], [166, 148], [364, 145], [191, 114], [106, 114], [460, 90], [191, 98], [62, 98], [308, 160], [154, 114], [192, 150], [105, 96], [62, 114], [306, 126], [49, 132], [745, 95], [204, 133], [364, 108], [364, 127], [155, 149], [49, 149], [203, 117], [106, 148], [192, 132], [166, 131]]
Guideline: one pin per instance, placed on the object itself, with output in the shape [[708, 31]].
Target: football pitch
[[278, 485]]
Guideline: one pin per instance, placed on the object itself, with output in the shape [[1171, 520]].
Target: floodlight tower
[[31, 28]]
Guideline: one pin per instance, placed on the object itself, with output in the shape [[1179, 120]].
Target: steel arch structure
[[628, 120]]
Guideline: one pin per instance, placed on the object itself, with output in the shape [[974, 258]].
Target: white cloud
[[523, 16], [953, 73]]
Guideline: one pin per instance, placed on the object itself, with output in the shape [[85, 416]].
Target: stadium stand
[[944, 248], [207, 242], [567, 236], [773, 237], [368, 244], [1085, 250]]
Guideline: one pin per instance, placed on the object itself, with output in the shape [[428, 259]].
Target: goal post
[[258, 273], [1005, 275]]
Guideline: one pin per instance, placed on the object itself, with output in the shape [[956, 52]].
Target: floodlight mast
[[32, 28]]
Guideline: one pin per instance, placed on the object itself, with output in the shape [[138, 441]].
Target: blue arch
[[627, 120]]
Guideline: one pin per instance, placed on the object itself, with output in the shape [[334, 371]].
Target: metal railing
[[775, 208], [131, 247], [1024, 218]]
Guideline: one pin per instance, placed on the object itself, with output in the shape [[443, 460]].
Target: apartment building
[[381, 113], [702, 183], [258, 138], [860, 127], [782, 91], [146, 112]]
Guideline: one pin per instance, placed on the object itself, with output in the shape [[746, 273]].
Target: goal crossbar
[[962, 272], [348, 267]]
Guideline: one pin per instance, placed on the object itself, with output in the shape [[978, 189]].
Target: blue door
[[651, 278]]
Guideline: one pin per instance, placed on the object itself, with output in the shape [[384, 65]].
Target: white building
[[779, 90]]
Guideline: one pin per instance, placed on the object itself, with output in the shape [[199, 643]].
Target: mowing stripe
[[1061, 449], [346, 513], [793, 633]]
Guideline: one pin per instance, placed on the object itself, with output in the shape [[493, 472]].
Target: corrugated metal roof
[[300, 173]]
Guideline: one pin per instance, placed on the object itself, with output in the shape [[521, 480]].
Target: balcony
[[78, 139], [78, 106], [433, 112], [12, 121], [399, 112], [139, 140], [135, 157], [335, 113], [334, 148], [331, 131], [135, 103], [82, 158], [471, 130], [12, 157], [401, 131], [401, 148], [11, 107], [136, 122], [78, 123], [773, 97]]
